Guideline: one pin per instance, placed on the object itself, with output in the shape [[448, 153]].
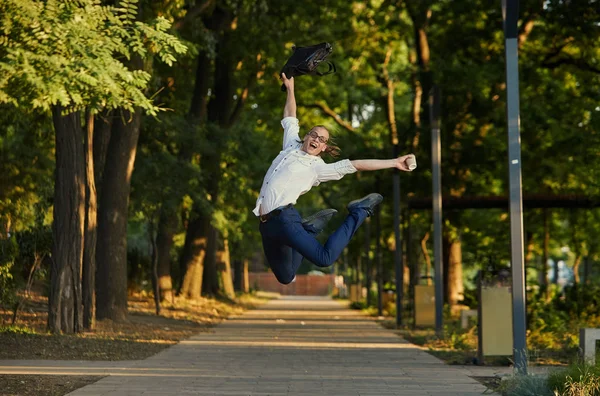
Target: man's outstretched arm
[[376, 164], [290, 103]]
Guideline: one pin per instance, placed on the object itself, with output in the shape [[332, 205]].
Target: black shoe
[[368, 203], [319, 220]]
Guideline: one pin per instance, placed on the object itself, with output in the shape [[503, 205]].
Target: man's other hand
[[403, 162]]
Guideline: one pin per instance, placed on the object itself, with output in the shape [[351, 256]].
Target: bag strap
[[331, 70]]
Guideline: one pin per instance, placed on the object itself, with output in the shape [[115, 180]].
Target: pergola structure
[[533, 201]]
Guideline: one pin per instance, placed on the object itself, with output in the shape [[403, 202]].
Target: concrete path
[[291, 346]]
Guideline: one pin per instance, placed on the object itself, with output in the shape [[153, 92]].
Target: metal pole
[[510, 16], [378, 257], [436, 160], [398, 239], [368, 278]]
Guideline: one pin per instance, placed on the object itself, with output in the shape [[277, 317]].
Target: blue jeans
[[286, 241]]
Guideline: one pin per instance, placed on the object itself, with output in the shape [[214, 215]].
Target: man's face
[[315, 141]]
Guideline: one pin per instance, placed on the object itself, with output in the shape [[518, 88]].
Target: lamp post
[[436, 160], [510, 16], [398, 264]]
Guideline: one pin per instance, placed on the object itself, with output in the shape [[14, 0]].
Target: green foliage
[[18, 330], [18, 254], [577, 379], [585, 384], [35, 244], [85, 54], [72, 54], [26, 168], [554, 324], [9, 250], [525, 385]]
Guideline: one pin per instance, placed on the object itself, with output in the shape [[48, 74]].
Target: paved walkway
[[291, 346]]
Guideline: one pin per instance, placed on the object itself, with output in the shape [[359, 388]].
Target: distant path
[[291, 346]]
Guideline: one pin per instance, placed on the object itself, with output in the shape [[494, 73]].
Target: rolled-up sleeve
[[291, 130], [333, 171]]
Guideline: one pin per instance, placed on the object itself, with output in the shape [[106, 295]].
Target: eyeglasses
[[315, 135]]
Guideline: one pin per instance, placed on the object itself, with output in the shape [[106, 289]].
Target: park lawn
[[143, 335]]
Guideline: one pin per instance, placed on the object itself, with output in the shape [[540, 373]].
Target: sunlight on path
[[290, 346]]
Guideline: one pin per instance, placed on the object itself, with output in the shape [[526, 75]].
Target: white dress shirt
[[294, 172]]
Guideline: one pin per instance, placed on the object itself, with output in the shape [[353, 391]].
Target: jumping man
[[286, 237]]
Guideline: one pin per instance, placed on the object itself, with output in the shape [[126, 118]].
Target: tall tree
[[64, 64]]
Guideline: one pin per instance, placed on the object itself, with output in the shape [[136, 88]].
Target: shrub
[[578, 379], [9, 250], [525, 385]]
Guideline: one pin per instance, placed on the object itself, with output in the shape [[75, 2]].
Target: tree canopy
[[201, 161]]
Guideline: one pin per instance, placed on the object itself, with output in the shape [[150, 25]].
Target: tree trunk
[[246, 282], [221, 112], [545, 255], [587, 270], [210, 281], [420, 13], [368, 277], [192, 259], [167, 227], [224, 268], [65, 312], [379, 258], [238, 275], [453, 282], [102, 131], [241, 282], [111, 256], [530, 246], [576, 264], [194, 256], [154, 266], [89, 249], [426, 257], [556, 273], [197, 110]]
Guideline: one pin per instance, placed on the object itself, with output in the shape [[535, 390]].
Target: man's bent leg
[[280, 257], [297, 257]]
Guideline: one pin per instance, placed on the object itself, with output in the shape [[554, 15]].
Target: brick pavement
[[291, 346]]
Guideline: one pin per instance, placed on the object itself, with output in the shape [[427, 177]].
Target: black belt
[[274, 213]]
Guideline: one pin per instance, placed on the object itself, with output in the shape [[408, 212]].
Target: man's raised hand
[[288, 82]]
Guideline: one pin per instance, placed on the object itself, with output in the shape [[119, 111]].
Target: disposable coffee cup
[[411, 162]]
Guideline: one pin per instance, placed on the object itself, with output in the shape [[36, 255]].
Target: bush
[[554, 324], [525, 385], [577, 379], [9, 250], [16, 330]]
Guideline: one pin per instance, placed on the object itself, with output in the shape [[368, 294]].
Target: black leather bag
[[305, 60]]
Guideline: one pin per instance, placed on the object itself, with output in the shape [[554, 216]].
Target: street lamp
[[510, 16]]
